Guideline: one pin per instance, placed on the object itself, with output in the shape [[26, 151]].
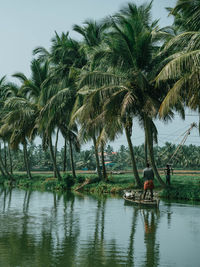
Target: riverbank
[[183, 187]]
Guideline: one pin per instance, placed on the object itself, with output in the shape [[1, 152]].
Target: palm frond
[[180, 64], [98, 79], [173, 97]]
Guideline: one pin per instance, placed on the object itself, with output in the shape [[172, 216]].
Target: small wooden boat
[[138, 201]]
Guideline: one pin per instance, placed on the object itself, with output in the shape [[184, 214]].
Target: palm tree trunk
[[26, 160], [5, 155], [65, 155], [97, 157], [130, 145], [56, 143], [103, 163], [3, 170], [145, 151], [148, 133], [10, 159], [1, 164], [56, 171], [72, 158]]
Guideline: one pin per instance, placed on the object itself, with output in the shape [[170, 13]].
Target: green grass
[[183, 187]]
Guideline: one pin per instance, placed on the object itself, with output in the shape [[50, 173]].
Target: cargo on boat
[[135, 198]]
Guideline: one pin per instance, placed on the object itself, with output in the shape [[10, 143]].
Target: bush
[[80, 179], [68, 181], [24, 183], [182, 192], [49, 184]]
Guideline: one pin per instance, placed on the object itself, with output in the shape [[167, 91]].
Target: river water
[[43, 229]]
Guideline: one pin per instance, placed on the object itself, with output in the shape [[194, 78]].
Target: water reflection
[[130, 254], [27, 197], [49, 229], [151, 221]]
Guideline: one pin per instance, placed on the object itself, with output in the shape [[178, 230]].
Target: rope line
[[186, 134]]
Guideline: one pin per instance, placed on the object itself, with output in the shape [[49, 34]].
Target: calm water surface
[[45, 229]]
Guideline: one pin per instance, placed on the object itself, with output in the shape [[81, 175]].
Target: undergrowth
[[182, 187]]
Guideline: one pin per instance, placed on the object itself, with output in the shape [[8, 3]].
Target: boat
[[134, 199]]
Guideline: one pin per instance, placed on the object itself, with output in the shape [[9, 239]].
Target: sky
[[27, 24]]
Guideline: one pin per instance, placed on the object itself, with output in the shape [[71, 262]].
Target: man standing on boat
[[148, 176]]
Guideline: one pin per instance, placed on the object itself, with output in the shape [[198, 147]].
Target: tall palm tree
[[85, 116], [34, 90], [64, 58], [129, 53], [20, 121], [38, 91], [93, 33], [7, 90]]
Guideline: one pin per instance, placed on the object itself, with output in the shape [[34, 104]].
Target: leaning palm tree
[[93, 33], [57, 112], [20, 121], [64, 57], [32, 88], [7, 90], [85, 116], [38, 92], [128, 52]]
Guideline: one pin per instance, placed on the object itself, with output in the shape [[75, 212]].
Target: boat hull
[[142, 203]]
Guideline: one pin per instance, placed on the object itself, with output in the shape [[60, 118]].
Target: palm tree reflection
[[130, 256], [56, 236], [151, 220]]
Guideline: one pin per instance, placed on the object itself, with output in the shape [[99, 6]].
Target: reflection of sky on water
[[85, 230]]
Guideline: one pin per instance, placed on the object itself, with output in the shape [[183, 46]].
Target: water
[[43, 229]]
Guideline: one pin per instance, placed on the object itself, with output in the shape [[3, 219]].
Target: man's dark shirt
[[148, 174]]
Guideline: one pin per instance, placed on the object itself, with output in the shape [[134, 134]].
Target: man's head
[[148, 165]]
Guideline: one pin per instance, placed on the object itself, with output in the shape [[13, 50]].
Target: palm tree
[[64, 58], [93, 34], [186, 15], [88, 131], [129, 54], [37, 90], [20, 121], [7, 90], [181, 70], [31, 89]]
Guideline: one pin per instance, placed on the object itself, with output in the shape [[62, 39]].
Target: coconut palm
[[31, 87], [126, 82], [181, 70], [64, 58], [187, 15], [7, 90], [38, 90], [19, 122], [35, 91], [93, 34]]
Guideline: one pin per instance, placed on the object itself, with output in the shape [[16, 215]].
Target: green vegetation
[[40, 160], [183, 187], [124, 68]]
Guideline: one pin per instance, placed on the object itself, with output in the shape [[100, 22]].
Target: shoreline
[[181, 189]]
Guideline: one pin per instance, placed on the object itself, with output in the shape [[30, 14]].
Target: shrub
[[80, 179], [68, 181]]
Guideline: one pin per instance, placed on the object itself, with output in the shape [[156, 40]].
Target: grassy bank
[[183, 187]]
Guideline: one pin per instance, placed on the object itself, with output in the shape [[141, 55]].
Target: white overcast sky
[[27, 24]]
